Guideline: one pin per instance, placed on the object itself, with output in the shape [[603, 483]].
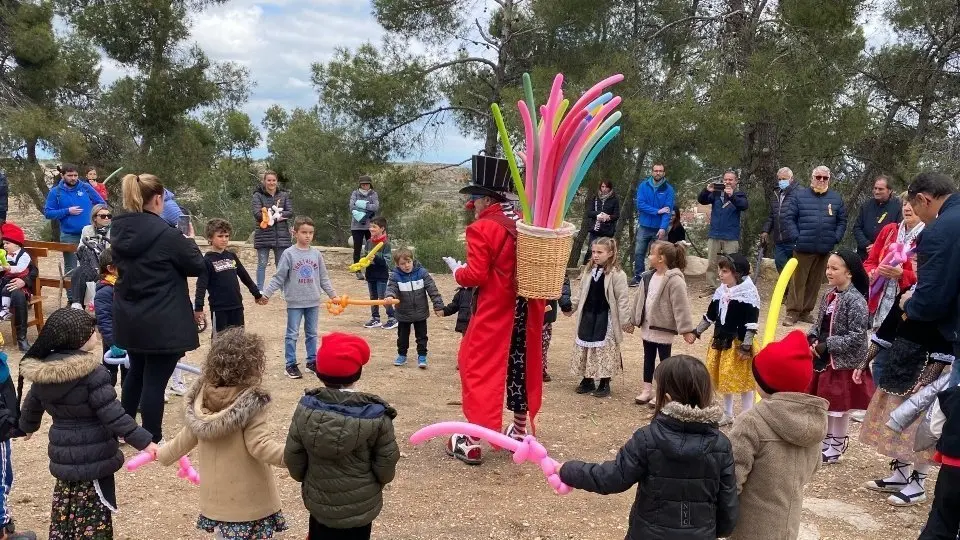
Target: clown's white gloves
[[453, 264]]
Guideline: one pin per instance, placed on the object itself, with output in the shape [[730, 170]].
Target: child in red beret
[[341, 444], [776, 444]]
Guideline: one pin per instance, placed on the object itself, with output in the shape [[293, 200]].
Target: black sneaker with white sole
[[294, 372]]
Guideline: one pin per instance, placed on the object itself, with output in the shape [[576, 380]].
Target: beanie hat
[[785, 365], [66, 329], [341, 357], [12, 233]]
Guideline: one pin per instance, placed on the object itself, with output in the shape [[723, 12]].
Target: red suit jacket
[[491, 268]]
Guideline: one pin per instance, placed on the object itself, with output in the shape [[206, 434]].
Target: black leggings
[[359, 237], [319, 531], [144, 387], [650, 352], [944, 520]]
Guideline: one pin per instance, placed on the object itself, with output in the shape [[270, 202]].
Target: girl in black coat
[[152, 312], [682, 463], [69, 382]]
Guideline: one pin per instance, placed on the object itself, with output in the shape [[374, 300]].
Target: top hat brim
[[483, 192]]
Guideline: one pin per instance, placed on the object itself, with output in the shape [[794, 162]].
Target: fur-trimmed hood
[[212, 412], [686, 413], [59, 368]]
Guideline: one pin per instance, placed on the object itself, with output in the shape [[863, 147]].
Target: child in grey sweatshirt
[[301, 275]]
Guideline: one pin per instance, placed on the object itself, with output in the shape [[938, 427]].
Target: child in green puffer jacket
[[341, 444]]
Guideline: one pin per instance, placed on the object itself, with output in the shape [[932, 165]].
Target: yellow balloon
[[773, 313]]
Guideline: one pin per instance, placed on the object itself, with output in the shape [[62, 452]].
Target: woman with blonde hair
[[152, 313]]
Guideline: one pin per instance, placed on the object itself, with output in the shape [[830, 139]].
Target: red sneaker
[[460, 447]]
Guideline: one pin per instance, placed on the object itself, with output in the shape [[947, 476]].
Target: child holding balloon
[[603, 315], [735, 309], [225, 416], [838, 341]]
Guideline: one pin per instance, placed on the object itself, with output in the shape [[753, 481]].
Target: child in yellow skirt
[[734, 310]]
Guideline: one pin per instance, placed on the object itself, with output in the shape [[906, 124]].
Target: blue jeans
[[782, 253], [378, 289], [6, 480], [294, 316], [263, 259], [645, 235], [69, 259]]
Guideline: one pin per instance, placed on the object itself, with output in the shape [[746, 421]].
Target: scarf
[[892, 287], [109, 279], [656, 185], [604, 196], [745, 292]]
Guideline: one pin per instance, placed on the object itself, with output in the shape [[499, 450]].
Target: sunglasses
[[105, 216], [821, 178]]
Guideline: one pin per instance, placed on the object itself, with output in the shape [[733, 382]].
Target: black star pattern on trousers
[[517, 361]]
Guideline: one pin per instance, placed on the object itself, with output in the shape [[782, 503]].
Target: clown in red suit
[[500, 355]]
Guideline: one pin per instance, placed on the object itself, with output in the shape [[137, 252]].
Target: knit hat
[[785, 365], [341, 357], [12, 233], [66, 329]]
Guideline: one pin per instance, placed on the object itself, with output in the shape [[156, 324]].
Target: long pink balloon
[[528, 153], [592, 94], [565, 134], [567, 175], [527, 450], [546, 189], [139, 460]]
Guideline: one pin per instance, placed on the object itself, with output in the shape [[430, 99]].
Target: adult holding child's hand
[[152, 313]]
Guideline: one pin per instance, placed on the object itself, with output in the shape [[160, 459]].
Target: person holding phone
[[727, 204]]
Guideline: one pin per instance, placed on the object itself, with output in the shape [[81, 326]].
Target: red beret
[[12, 233], [785, 365], [341, 357]]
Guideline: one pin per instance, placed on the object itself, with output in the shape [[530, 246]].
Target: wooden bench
[[38, 250]]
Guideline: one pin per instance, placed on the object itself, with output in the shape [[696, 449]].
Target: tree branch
[[486, 37], [380, 136], [688, 19], [467, 60], [445, 167]]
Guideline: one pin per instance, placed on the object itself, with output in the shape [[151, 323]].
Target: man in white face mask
[[772, 228]]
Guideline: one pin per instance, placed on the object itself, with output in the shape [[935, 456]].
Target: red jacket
[[887, 236], [484, 350]]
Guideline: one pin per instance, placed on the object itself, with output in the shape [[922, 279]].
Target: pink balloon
[[529, 133], [187, 471], [593, 93], [139, 460], [523, 451]]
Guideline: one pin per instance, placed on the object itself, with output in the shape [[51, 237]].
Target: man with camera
[[727, 204]]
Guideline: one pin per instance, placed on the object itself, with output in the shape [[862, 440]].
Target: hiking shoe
[[422, 362], [460, 447], [807, 318], [400, 361], [390, 324], [311, 366], [294, 372], [360, 276], [586, 386], [372, 323], [12, 533], [790, 319], [178, 388]]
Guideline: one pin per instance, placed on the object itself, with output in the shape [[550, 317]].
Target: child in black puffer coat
[[71, 384], [682, 463]]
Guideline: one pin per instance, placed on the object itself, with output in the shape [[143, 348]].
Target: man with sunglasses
[[935, 299], [815, 222]]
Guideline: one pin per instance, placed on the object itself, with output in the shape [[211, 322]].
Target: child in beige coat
[[226, 416], [776, 444], [603, 315], [661, 309]]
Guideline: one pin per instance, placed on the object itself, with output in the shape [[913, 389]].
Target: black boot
[[586, 386], [604, 389], [22, 343]]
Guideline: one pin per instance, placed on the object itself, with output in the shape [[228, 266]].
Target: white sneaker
[[5, 314], [166, 396], [178, 388], [76, 305]]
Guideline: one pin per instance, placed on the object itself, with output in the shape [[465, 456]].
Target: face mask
[[783, 184]]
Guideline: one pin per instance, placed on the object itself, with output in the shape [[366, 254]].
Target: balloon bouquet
[[560, 147]]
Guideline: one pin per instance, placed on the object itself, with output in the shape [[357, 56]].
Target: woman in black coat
[[603, 211], [69, 382], [276, 237], [152, 313]]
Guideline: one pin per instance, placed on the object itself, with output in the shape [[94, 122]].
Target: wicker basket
[[542, 256]]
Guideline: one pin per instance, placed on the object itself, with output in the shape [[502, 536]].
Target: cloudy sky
[[278, 40]]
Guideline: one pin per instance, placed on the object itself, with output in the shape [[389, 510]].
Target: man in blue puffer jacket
[[655, 200], [726, 207], [815, 221]]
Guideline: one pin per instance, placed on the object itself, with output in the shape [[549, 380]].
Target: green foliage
[[433, 232]]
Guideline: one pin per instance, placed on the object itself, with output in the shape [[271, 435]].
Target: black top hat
[[491, 177]]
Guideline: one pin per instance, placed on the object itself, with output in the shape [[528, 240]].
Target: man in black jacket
[[773, 227], [882, 209], [932, 196]]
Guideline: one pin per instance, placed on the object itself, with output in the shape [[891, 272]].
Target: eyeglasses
[[821, 178], [105, 216]]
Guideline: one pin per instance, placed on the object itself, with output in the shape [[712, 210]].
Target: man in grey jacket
[[364, 204]]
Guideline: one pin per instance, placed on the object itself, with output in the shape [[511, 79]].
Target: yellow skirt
[[731, 371]]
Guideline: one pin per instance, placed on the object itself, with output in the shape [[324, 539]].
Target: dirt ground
[[436, 497]]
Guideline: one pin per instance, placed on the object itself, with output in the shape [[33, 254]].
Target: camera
[[719, 186]]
